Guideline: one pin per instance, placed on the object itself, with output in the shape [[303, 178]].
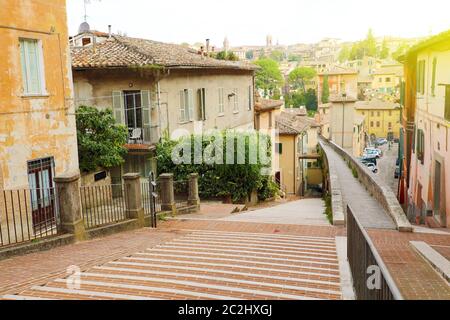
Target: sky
[[248, 22]]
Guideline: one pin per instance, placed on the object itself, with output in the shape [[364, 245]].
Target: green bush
[[269, 189], [218, 180]]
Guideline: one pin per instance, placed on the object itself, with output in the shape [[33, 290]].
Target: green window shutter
[[118, 107], [447, 103], [191, 105], [433, 81], [146, 115]]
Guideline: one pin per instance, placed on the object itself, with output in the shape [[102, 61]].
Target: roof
[[285, 129], [268, 104], [376, 104], [342, 98], [289, 123], [119, 51], [394, 70], [339, 70], [444, 36]]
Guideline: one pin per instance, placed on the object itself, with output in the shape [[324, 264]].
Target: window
[[279, 148], [447, 103], [420, 146], [421, 77], [371, 124], [390, 125], [378, 114], [378, 124], [86, 41], [250, 98], [433, 79], [390, 113], [236, 100], [186, 105], [32, 67], [221, 102], [136, 113], [363, 113], [201, 104], [372, 114]]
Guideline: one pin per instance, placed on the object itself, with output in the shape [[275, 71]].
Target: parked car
[[397, 173], [372, 152], [372, 167], [381, 141], [369, 160]]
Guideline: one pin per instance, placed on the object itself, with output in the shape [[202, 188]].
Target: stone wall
[[378, 189], [334, 189]]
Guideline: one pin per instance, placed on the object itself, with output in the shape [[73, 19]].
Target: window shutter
[[204, 104], [182, 107], [118, 107], [146, 115], [24, 66], [191, 105], [447, 103], [433, 81], [33, 59]]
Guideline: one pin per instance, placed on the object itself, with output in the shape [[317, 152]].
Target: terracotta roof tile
[[119, 51]]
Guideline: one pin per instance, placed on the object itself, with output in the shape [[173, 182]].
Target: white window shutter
[[191, 105], [182, 107], [146, 114], [118, 107], [24, 66]]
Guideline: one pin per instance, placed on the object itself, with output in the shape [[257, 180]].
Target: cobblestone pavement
[[369, 212], [416, 279], [198, 260]]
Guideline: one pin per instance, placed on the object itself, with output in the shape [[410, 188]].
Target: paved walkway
[[306, 212], [191, 260], [369, 212]]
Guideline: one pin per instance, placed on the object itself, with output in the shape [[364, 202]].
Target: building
[[38, 131], [340, 81], [387, 79], [266, 111], [296, 150], [382, 119], [425, 151], [366, 68], [158, 89]]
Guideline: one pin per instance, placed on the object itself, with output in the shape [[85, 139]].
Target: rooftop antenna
[[86, 2]]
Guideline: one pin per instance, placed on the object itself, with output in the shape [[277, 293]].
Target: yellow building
[[296, 150], [382, 119], [387, 79], [37, 131]]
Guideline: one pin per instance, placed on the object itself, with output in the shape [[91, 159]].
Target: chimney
[[109, 31], [207, 46]]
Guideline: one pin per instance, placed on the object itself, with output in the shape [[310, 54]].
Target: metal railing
[[103, 205], [371, 278], [146, 198], [181, 192], [27, 215]]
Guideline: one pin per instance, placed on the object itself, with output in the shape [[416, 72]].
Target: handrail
[[383, 268]]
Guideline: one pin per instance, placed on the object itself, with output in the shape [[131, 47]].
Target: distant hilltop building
[[269, 41], [226, 44]]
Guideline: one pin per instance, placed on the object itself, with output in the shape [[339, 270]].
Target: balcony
[[142, 139]]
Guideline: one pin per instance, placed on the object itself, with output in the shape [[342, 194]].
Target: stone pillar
[[193, 199], [69, 205], [167, 193], [133, 198]]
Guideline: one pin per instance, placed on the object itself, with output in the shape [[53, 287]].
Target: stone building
[[158, 89]]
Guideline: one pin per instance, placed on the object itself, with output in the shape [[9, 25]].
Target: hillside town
[[137, 169]]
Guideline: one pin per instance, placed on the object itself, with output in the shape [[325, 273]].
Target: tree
[[223, 55], [384, 52], [299, 76], [268, 77], [295, 100], [311, 100], [344, 54], [277, 55], [325, 90], [401, 50], [294, 58], [100, 140], [370, 45]]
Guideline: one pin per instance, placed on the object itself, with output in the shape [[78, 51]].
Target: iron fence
[[27, 215], [146, 198], [103, 205], [181, 192], [371, 278]]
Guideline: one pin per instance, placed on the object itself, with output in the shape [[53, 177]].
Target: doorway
[[42, 191], [437, 191]]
